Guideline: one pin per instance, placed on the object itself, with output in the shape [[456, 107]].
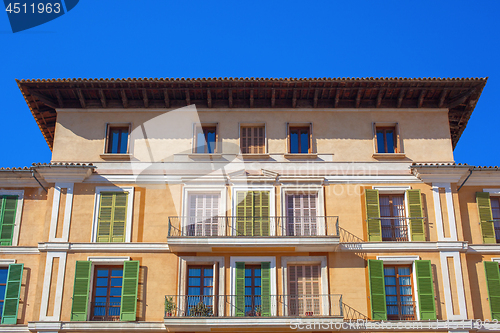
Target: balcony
[[223, 233], [401, 310], [231, 311]]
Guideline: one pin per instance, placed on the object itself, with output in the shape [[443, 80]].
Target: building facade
[[250, 205]]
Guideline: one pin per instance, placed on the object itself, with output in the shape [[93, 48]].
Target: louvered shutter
[[12, 294], [81, 288], [265, 268], [128, 306], [425, 288], [244, 212], [7, 219], [261, 213], [304, 288], [416, 216], [240, 289], [252, 140], [486, 217], [112, 217], [203, 215], [373, 216], [301, 215], [377, 289], [493, 282], [119, 217]]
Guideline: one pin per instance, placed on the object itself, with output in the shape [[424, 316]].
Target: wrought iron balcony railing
[[105, 311], [401, 309], [397, 229], [256, 226], [253, 306]]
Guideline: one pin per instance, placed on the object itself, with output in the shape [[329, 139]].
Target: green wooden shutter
[[81, 288], [377, 289], [261, 213], [7, 219], [112, 217], [425, 289], [130, 283], [486, 217], [241, 212], [373, 216], [493, 282], [265, 269], [416, 215], [240, 289], [12, 293], [119, 217]]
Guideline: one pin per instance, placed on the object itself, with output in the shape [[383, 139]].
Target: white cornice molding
[[64, 175], [484, 248], [14, 329], [19, 250], [94, 326], [441, 175], [404, 246], [103, 247]]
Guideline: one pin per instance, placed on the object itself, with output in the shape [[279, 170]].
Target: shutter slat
[[373, 215], [377, 289], [81, 291], [12, 293], [486, 217], [425, 288], [240, 289], [417, 230], [493, 282], [265, 268], [128, 308]]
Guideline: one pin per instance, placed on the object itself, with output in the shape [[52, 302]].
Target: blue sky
[[157, 38]]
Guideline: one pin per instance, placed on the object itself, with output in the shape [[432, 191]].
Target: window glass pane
[[115, 292], [257, 291], [102, 272], [404, 270], [208, 281], [117, 272], [294, 142], [2, 293], [102, 282], [248, 290], [257, 272], [248, 272], [390, 290], [194, 281], [123, 142], [389, 271], [390, 141], [114, 141], [200, 143], [380, 142], [304, 142], [211, 141], [405, 290], [193, 291], [101, 291], [100, 300], [3, 275], [208, 272], [194, 272], [257, 281], [390, 280], [207, 291], [116, 282]]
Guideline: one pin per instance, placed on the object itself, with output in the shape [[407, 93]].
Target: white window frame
[[254, 124], [19, 212], [306, 189], [312, 146], [217, 149], [306, 260], [399, 141], [204, 189], [397, 190], [130, 212], [101, 261], [254, 261], [272, 205], [219, 276], [106, 138], [406, 260]]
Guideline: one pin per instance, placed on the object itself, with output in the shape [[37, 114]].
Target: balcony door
[[393, 221], [203, 215], [200, 291], [399, 293], [301, 217], [304, 297], [107, 293], [252, 213]]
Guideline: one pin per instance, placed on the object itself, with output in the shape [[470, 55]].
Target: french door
[[252, 213], [304, 297], [301, 219], [203, 216]]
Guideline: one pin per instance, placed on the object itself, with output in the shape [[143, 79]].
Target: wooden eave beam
[[188, 97], [358, 98], [59, 98], [400, 97], [337, 98], [381, 93], [461, 98], [442, 98], [273, 97], [102, 97], [209, 98], [145, 98], [124, 98], [294, 98], [315, 101], [421, 98], [230, 97], [251, 98], [166, 98], [44, 99], [79, 93]]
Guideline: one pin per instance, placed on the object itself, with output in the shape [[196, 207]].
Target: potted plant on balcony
[[200, 310], [169, 306], [258, 311]]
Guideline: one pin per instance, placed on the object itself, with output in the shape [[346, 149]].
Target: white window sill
[[389, 155], [254, 156], [301, 156], [108, 156]]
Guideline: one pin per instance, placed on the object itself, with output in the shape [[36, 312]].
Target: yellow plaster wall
[[348, 135]]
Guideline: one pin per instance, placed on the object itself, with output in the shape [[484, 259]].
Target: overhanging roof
[[459, 95]]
